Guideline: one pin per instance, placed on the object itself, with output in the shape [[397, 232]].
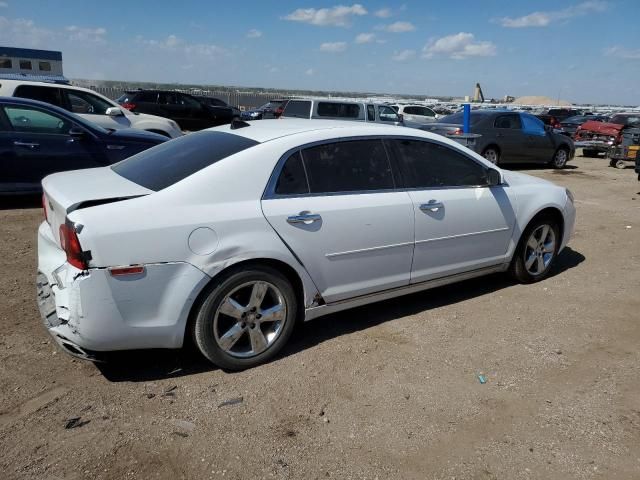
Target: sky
[[581, 51]]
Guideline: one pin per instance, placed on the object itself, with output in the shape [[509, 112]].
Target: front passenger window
[[431, 165], [28, 120]]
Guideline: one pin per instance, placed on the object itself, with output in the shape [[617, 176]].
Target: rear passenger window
[[340, 110], [348, 167], [292, 179], [50, 95], [507, 121], [297, 109], [371, 113], [428, 165]]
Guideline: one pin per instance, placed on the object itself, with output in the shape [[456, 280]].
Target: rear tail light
[[71, 245], [44, 207], [457, 131], [129, 105]]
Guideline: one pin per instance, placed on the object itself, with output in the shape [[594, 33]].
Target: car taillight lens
[[71, 245], [129, 105], [457, 131], [44, 208]]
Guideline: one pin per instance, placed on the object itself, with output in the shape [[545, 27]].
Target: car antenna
[[235, 124]]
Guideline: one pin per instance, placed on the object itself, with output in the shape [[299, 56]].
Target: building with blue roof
[[30, 64]]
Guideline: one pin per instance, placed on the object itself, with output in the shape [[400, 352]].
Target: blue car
[[37, 139]]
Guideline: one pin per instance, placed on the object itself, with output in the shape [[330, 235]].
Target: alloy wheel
[[250, 319], [540, 250], [491, 155], [560, 158]]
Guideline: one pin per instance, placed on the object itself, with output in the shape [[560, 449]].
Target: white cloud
[[383, 13], [459, 46], [622, 52], [338, 16], [174, 43], [253, 33], [365, 38], [543, 19], [309, 71], [333, 47], [84, 34], [403, 55], [399, 27]]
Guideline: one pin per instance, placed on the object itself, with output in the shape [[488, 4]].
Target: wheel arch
[[281, 266], [551, 211]]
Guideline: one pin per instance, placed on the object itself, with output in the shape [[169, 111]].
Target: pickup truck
[[599, 137]]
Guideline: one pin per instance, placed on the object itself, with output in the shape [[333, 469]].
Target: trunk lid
[[67, 191], [442, 128]]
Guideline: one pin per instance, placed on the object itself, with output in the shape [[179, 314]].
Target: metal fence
[[242, 100]]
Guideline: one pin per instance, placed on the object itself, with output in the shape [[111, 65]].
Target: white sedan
[[234, 234]]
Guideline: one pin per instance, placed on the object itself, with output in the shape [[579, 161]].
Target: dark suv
[[182, 108]]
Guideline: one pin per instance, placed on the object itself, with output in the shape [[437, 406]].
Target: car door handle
[[432, 206], [18, 143], [304, 217]]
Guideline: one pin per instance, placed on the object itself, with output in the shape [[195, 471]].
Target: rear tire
[[617, 163], [537, 250], [246, 317], [492, 154], [560, 158]]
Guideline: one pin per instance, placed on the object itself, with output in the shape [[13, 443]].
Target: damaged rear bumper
[[91, 311]]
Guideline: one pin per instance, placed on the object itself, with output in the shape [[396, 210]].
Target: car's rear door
[[336, 207], [461, 224], [508, 135]]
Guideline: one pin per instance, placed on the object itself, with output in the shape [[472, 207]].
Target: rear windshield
[[626, 120], [458, 118], [172, 161]]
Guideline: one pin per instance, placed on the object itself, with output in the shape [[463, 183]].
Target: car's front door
[[539, 146], [336, 208], [41, 145], [507, 133], [461, 224], [94, 109]]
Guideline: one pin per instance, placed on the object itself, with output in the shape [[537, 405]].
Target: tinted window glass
[[25, 64], [166, 98], [426, 165], [387, 114], [625, 119], [44, 66], [50, 95], [292, 179], [343, 110], [216, 102], [151, 97], [170, 162], [532, 125], [297, 109], [188, 101], [348, 167], [29, 120], [371, 113], [416, 111], [83, 102], [5, 63], [507, 121]]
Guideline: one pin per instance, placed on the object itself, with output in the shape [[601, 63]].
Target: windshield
[[578, 119], [170, 162]]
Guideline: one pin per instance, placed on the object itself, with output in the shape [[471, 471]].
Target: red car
[[596, 137]]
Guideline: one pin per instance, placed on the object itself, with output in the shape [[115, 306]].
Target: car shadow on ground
[[149, 365], [19, 202]]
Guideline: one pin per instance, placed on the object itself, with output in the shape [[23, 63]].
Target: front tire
[[537, 250], [246, 317], [560, 158]]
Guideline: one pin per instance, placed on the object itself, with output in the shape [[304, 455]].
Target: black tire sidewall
[[555, 156], [203, 325], [518, 269]]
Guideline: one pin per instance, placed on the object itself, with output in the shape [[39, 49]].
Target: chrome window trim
[[269, 190]]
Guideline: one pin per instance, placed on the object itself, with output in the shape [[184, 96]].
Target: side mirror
[[493, 177], [77, 132], [114, 111]]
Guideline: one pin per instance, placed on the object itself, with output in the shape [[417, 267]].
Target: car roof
[[266, 130], [44, 84]]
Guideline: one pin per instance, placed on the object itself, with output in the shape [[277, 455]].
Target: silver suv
[[334, 109], [89, 105]]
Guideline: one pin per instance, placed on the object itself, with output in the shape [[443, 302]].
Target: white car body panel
[[362, 244], [126, 120], [188, 233]]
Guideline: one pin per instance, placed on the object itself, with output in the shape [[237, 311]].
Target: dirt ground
[[387, 391]]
